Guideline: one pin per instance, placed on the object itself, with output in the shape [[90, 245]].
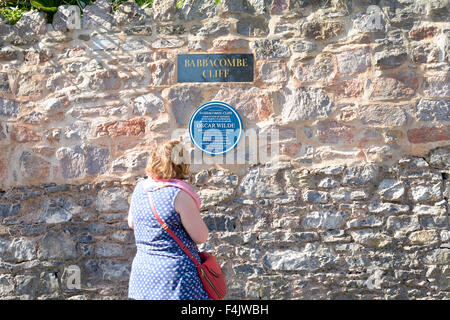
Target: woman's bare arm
[[190, 217], [130, 220]]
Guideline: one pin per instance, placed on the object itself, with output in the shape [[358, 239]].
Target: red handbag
[[211, 275]]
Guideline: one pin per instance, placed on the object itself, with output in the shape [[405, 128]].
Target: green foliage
[[180, 3], [117, 3], [12, 11], [144, 3], [52, 5], [141, 3], [46, 5], [80, 3]]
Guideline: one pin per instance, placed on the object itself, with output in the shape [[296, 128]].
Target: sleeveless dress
[[160, 269]]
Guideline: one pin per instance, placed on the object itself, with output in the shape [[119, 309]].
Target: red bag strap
[[169, 231]]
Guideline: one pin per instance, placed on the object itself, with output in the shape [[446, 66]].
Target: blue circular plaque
[[215, 128]]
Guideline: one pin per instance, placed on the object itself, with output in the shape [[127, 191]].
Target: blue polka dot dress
[[160, 269]]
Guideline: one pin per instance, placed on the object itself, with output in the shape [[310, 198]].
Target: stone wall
[[355, 207]]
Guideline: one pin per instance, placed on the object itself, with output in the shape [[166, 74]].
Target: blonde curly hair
[[167, 161]]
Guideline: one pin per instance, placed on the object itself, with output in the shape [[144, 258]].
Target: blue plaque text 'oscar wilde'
[[215, 67], [215, 128]]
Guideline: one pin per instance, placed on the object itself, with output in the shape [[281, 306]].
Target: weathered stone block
[[329, 131], [304, 104], [24, 133], [220, 222], [9, 210], [252, 28], [360, 175], [424, 53], [162, 72], [403, 223], [429, 134], [149, 104], [391, 190], [390, 58], [8, 108], [440, 157], [56, 211], [133, 127], [98, 16], [198, 10], [22, 249], [258, 184], [33, 167], [109, 250], [108, 270], [272, 72], [399, 85], [105, 43], [211, 29], [371, 238], [321, 30], [56, 245], [315, 196], [325, 219], [327, 183], [82, 160], [33, 21], [369, 221], [183, 100], [112, 199], [7, 285], [105, 80], [256, 7], [313, 257], [252, 103], [303, 46], [78, 130], [318, 69], [438, 256], [66, 18], [270, 49], [353, 61], [429, 110], [129, 13], [134, 162], [424, 237], [430, 192], [422, 32], [437, 86], [387, 208], [212, 197]]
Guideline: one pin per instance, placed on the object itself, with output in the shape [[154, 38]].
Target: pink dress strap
[[179, 184]]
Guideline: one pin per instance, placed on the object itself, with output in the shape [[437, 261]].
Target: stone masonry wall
[[355, 207]]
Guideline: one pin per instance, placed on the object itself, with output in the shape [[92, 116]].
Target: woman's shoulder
[[149, 184], [139, 183], [189, 190]]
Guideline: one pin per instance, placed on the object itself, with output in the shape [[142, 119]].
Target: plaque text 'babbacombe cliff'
[[215, 67]]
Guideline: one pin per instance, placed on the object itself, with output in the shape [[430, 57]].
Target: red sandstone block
[[333, 132], [24, 133], [422, 32], [133, 127], [429, 134]]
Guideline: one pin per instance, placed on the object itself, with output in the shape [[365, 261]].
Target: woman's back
[[161, 270]]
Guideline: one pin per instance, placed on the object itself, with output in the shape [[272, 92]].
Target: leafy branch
[[12, 10]]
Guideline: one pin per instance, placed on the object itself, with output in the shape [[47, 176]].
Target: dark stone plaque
[[215, 67]]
